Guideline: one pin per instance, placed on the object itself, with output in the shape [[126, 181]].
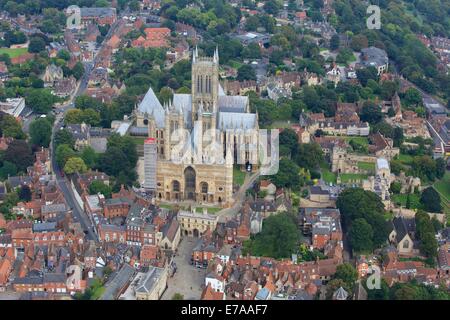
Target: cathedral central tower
[[205, 85]]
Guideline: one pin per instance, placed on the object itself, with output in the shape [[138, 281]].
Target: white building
[[13, 106], [150, 157], [217, 282]]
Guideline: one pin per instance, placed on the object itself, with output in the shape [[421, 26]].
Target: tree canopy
[[278, 239]]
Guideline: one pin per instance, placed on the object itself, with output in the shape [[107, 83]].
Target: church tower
[[205, 86]]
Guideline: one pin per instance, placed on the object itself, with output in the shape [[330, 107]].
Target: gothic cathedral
[[199, 137]]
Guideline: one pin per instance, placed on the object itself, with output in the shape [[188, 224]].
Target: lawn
[[235, 64], [13, 52], [368, 166], [350, 177], [405, 159], [238, 176], [357, 139], [211, 210], [280, 125], [328, 177], [400, 199], [139, 140], [443, 186]]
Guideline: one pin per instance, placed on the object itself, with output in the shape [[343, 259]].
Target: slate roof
[[118, 282], [170, 230], [233, 104], [44, 226], [234, 120], [56, 207], [373, 56], [98, 12], [147, 282], [403, 226], [17, 181], [151, 105]]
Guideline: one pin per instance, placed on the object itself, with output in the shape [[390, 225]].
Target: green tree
[[366, 74], [406, 292], [388, 89], [7, 169], [36, 45], [89, 156], [63, 54], [396, 187], [134, 5], [246, 72], [278, 239], [440, 168], [371, 113], [360, 236], [25, 193], [178, 296], [356, 203], [63, 153], [10, 127], [425, 233], [288, 140], [271, 7], [347, 273], [334, 42], [310, 156], [99, 187], [19, 153], [412, 97], [78, 70], [359, 42], [288, 174], [165, 94], [90, 117], [431, 200], [40, 100], [344, 56], [408, 201], [429, 245], [64, 136], [73, 116], [40, 132], [75, 164]]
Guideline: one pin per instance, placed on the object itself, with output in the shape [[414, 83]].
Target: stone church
[[199, 137]]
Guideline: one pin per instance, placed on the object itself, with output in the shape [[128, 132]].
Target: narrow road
[[64, 183], [239, 198]]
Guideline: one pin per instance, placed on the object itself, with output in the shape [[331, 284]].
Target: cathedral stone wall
[[213, 183]]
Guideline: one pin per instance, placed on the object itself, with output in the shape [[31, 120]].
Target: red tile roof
[[209, 294]]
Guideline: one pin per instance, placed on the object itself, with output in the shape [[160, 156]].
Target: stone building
[[196, 224], [381, 182], [199, 136]]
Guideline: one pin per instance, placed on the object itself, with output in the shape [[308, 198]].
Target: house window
[[405, 244]]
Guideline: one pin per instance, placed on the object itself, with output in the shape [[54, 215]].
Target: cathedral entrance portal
[[189, 182]]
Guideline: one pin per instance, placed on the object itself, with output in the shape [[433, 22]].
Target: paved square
[[188, 280]]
